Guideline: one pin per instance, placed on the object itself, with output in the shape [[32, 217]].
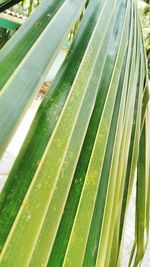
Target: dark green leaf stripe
[[4, 4]]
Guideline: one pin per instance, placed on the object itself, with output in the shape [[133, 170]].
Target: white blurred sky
[[141, 4]]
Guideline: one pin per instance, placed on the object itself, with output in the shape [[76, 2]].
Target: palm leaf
[[66, 197], [44, 124], [43, 50]]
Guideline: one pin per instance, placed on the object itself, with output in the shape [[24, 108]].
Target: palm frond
[[66, 197]]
